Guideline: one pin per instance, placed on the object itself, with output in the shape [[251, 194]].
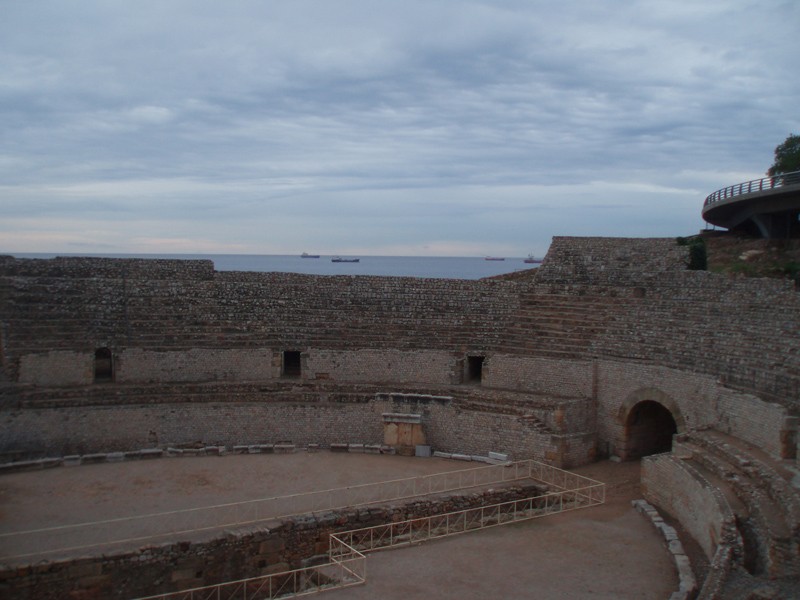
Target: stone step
[[770, 474], [762, 522]]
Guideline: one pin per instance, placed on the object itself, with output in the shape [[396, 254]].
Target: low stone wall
[[682, 492], [277, 546], [320, 419]]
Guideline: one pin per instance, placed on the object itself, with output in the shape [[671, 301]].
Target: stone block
[[115, 457], [85, 568], [73, 460], [372, 448], [339, 447], [355, 448], [312, 448], [151, 453], [438, 454], [461, 457], [132, 455], [174, 452], [241, 449], [284, 448], [686, 580], [675, 547], [90, 459], [272, 545], [498, 456]]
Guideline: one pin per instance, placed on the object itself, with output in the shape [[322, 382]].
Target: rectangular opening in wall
[[103, 366], [291, 363], [475, 368]]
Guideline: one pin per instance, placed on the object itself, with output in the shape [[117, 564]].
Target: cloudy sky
[[432, 127]]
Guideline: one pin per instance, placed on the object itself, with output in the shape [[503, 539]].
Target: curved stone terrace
[[768, 206]]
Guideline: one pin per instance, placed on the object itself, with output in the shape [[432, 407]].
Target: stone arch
[[649, 418]]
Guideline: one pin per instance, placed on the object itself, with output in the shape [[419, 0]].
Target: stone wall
[[695, 401], [688, 497], [449, 425], [611, 261], [561, 350]]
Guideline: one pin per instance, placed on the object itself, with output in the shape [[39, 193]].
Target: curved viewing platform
[[768, 207]]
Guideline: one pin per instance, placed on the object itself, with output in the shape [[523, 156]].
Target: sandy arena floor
[[603, 552]]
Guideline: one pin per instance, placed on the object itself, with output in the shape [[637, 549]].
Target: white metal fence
[[65, 540], [347, 563], [422, 529]]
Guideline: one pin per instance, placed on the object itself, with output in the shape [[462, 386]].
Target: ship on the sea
[[307, 255], [338, 259]]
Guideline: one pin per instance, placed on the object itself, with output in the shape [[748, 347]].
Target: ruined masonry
[[611, 349]]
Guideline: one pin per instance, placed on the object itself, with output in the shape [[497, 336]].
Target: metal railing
[[346, 567], [346, 554], [413, 531], [755, 185], [148, 528]]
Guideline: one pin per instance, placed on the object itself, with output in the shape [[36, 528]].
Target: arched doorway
[[648, 418], [648, 430]]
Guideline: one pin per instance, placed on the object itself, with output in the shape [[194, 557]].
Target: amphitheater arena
[[611, 349]]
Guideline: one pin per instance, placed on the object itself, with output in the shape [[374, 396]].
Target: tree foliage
[[787, 157]]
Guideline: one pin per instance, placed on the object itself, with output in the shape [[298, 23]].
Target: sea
[[435, 267]]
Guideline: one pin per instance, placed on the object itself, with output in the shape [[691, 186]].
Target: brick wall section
[[57, 368], [275, 548], [392, 366], [565, 378], [136, 365]]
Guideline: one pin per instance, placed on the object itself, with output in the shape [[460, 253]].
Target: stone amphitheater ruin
[[611, 349]]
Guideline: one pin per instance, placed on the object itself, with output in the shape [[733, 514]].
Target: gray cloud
[[383, 127]]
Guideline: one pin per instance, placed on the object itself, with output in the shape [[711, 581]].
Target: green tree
[[787, 157]]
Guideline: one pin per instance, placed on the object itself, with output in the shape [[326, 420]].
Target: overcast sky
[[435, 127]]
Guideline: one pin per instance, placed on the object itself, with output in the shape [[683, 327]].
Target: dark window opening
[[291, 363], [103, 365], [475, 368], [649, 430]]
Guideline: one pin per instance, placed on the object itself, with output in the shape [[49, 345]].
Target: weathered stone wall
[[611, 261], [422, 367], [57, 368], [697, 504], [601, 320], [564, 377], [450, 426], [136, 365], [695, 401]]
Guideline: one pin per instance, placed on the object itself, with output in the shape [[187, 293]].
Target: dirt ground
[[608, 551]]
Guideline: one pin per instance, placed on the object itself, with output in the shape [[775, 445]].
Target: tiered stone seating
[[558, 325], [765, 505]]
